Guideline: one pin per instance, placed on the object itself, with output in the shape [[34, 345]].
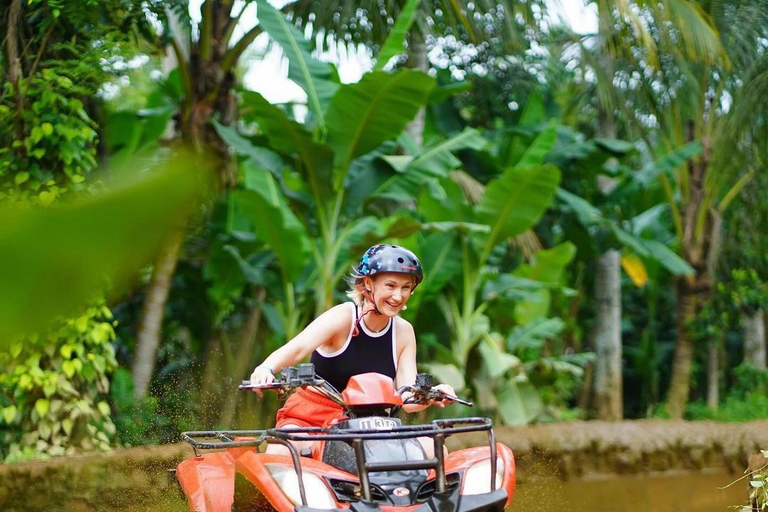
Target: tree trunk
[[713, 381], [14, 65], [208, 92], [152, 311], [608, 381], [680, 384], [692, 291], [245, 348], [608, 377], [417, 59], [754, 339]]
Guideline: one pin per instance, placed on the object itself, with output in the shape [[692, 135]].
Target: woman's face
[[390, 291]]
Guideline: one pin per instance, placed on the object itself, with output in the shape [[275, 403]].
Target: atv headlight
[[477, 478], [317, 493]]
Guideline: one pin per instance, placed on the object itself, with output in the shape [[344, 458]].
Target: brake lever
[[456, 399], [276, 385], [438, 395]]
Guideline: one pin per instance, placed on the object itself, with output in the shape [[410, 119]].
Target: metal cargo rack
[[437, 430]]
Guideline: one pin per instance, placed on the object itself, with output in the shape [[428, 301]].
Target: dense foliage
[[534, 160]]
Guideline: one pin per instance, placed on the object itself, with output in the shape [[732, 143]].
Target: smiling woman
[[365, 335]]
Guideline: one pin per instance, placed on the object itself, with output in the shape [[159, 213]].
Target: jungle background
[[588, 208]]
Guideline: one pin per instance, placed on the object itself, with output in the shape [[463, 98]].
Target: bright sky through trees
[[267, 71]]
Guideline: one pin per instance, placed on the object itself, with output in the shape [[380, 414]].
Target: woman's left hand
[[446, 389]]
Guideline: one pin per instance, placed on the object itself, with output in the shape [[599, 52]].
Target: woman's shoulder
[[403, 327], [340, 312]]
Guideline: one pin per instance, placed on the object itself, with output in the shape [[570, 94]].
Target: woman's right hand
[[261, 376]]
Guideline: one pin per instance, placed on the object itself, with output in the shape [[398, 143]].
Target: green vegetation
[[569, 197]]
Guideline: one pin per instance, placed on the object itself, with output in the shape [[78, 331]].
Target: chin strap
[[367, 295]]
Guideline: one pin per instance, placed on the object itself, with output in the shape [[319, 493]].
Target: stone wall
[[134, 479], [578, 449]]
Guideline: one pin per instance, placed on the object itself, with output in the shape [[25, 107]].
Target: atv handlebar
[[423, 391], [303, 375], [292, 377]]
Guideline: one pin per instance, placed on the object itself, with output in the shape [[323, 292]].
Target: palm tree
[[715, 102], [206, 65], [624, 28]]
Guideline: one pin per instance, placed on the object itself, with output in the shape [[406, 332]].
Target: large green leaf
[[628, 240], [539, 148], [617, 147], [649, 220], [444, 201], [516, 200], [53, 260], [252, 271], [363, 115], [533, 334], [465, 228], [225, 279], [391, 227], [548, 265], [274, 222], [441, 259], [519, 402], [446, 374], [263, 157], [396, 38], [435, 161], [587, 214], [512, 287], [312, 75], [668, 258], [513, 142], [291, 137], [534, 306], [496, 361], [669, 162]]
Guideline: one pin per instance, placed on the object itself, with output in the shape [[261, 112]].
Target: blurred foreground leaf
[[54, 260]]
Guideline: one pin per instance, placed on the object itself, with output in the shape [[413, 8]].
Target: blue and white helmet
[[389, 258]]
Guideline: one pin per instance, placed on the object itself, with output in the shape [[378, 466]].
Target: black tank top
[[366, 352]]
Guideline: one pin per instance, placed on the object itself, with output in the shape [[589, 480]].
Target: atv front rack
[[437, 430]]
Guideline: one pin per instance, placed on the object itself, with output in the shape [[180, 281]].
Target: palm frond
[[694, 30], [369, 21]]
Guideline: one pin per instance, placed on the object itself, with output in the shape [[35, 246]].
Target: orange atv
[[367, 462]]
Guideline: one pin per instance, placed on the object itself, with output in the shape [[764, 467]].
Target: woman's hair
[[355, 282]]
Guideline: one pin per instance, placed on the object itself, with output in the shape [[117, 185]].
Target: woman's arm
[[329, 326], [406, 364]]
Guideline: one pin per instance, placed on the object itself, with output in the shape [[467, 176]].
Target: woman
[[365, 335]]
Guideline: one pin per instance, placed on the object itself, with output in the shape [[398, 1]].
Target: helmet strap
[[368, 295]]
